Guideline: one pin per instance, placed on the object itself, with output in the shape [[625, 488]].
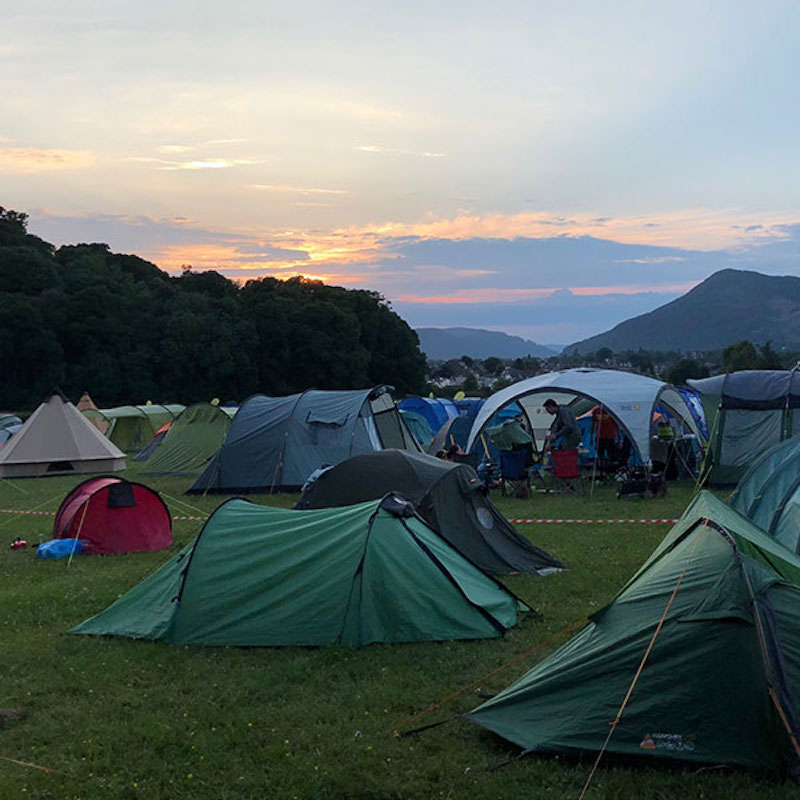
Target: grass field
[[124, 719]]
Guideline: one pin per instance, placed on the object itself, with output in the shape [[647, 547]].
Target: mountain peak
[[725, 308]]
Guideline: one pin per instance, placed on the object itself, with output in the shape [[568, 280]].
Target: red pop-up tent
[[112, 515]]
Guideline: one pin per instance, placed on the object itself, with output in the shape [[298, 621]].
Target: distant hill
[[445, 343], [727, 307]]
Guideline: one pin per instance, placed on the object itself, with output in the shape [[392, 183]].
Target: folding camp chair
[[515, 480], [567, 472]]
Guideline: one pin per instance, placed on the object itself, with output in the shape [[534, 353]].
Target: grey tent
[[275, 443], [55, 440], [450, 498], [747, 413]]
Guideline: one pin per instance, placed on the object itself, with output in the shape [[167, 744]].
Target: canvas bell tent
[[131, 427], [448, 496], [630, 398], [769, 493], [189, 443], [275, 443], [56, 440], [747, 413], [261, 576], [112, 515], [718, 604]]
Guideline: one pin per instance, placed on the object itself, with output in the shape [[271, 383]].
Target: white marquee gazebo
[[630, 398]]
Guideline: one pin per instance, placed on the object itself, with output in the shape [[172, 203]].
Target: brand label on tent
[[674, 742]]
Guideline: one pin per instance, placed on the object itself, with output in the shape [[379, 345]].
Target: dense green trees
[[81, 317]]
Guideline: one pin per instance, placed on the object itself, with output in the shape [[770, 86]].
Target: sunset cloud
[[374, 148], [33, 159], [269, 187]]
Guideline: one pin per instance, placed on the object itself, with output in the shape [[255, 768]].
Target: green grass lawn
[[125, 719]]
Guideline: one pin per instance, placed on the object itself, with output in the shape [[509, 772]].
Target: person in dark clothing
[[565, 434]]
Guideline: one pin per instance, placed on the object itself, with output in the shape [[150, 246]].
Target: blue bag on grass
[[59, 548]]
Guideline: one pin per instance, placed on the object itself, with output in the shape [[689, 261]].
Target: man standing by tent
[[565, 434]]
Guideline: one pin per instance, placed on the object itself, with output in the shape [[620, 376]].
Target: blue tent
[[436, 410], [275, 443]]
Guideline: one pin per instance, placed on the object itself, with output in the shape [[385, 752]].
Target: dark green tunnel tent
[[730, 642], [192, 440], [769, 493], [261, 576], [747, 413], [275, 443], [450, 498]]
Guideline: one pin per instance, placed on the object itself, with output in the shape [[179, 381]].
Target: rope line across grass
[[537, 521], [53, 513]]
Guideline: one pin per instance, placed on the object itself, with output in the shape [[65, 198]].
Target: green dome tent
[[721, 682], [769, 493], [192, 441], [261, 576]]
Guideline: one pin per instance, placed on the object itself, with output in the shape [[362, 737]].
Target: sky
[[544, 169]]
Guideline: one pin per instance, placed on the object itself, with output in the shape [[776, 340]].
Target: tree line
[[80, 317]]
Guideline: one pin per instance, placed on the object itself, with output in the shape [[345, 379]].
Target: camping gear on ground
[[769, 493], [275, 443], [56, 440], [189, 443], [19, 544], [629, 398], [515, 475], [703, 643], [448, 495], [59, 548], [261, 576], [112, 515], [132, 427], [747, 412], [641, 482]]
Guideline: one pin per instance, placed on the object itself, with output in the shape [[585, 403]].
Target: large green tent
[[769, 493], [725, 661], [256, 575], [192, 441], [131, 427]]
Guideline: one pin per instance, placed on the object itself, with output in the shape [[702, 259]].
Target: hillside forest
[[80, 317]]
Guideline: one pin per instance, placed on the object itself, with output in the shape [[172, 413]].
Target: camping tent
[[132, 427], [85, 403], [261, 576], [629, 398], [769, 493], [747, 412], [275, 443], [191, 441], [56, 439], [112, 515], [448, 496], [418, 426], [718, 603], [9, 425], [437, 410]]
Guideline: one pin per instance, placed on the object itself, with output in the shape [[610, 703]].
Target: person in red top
[[604, 428]]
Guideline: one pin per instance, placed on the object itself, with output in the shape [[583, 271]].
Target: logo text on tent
[[674, 742]]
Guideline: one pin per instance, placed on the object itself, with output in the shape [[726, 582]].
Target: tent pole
[[596, 454], [78, 532]]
